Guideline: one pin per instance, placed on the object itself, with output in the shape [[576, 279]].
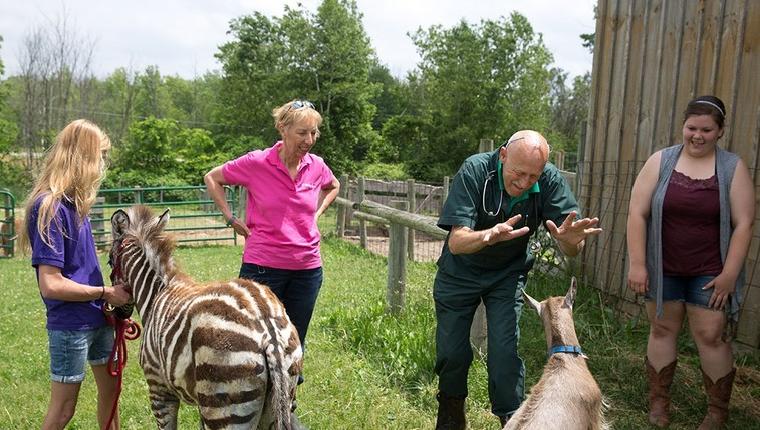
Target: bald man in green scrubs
[[496, 202]]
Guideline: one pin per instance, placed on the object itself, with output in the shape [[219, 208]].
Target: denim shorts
[[686, 289], [69, 349]]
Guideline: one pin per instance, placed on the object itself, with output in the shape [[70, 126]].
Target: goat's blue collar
[[568, 349]]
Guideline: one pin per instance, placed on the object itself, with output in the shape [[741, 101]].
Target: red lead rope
[[124, 329]]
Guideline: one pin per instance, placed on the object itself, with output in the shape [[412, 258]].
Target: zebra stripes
[[228, 347]]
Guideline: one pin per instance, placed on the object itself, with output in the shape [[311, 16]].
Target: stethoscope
[[490, 178], [534, 246]]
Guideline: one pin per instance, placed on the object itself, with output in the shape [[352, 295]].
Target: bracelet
[[231, 220], [102, 291]]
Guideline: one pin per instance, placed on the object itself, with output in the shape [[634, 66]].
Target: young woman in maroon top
[[696, 282]]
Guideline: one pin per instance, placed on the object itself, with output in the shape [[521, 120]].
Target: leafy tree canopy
[[475, 81], [323, 57]]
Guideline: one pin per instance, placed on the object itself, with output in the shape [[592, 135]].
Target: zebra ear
[[570, 296], [163, 219], [119, 223]]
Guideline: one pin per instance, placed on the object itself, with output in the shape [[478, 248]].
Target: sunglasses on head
[[509, 142], [300, 104]]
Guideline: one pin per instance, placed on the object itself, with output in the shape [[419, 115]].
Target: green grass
[[366, 369]]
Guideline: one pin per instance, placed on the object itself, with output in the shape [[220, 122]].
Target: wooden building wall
[[650, 58]]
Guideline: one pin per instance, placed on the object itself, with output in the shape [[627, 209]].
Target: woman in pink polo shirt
[[288, 189]]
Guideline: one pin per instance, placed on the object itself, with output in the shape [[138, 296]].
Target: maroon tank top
[[691, 227]]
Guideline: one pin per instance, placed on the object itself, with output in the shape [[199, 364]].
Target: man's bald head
[[523, 157], [529, 143]]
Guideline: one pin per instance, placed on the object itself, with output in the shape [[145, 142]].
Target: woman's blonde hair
[[73, 170], [295, 111]]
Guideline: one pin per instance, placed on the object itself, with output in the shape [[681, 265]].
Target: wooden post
[[486, 145], [362, 223], [242, 208], [7, 225], [559, 159], [411, 195], [98, 229], [397, 263], [479, 328], [341, 217], [351, 195], [445, 191], [138, 194]]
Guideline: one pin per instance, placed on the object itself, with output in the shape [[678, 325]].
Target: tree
[[475, 82], [588, 38], [149, 147], [8, 129], [152, 95], [324, 57], [117, 98], [391, 98], [569, 110], [254, 68], [343, 89], [56, 77]]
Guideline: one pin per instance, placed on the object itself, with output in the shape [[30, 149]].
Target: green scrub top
[[477, 200]]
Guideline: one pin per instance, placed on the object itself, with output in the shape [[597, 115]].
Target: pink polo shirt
[[281, 212]]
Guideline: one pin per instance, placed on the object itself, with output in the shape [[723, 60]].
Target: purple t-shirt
[[72, 251], [281, 212]]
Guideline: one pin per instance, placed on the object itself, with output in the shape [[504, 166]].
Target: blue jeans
[[69, 349], [686, 289], [296, 289]]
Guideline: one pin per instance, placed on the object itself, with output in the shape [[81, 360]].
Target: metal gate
[[7, 223], [194, 215]]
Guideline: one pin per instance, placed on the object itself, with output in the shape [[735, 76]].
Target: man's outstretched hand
[[571, 234], [505, 231]]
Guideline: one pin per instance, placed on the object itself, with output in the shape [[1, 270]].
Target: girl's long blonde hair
[[73, 170]]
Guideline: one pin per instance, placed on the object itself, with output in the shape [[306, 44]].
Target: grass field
[[366, 369]]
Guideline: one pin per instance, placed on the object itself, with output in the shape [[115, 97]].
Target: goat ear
[[163, 219], [533, 302], [119, 223], [570, 296]]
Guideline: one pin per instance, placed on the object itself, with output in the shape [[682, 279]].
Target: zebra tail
[[278, 394]]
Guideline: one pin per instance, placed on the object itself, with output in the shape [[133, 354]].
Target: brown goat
[[567, 396]]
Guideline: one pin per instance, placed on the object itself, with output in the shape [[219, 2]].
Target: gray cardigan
[[725, 166]]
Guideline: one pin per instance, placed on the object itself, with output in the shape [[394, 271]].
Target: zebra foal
[[226, 346]]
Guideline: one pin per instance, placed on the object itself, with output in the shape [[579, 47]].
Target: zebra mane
[[140, 223]]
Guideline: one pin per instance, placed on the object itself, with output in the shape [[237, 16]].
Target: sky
[[182, 36]]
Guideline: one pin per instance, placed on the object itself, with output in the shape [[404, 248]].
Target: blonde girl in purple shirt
[[288, 189], [57, 229]]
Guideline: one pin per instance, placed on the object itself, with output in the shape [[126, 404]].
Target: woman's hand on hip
[[240, 228], [723, 286], [638, 279]]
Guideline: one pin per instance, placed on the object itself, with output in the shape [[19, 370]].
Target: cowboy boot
[[659, 393], [450, 413], [718, 396]]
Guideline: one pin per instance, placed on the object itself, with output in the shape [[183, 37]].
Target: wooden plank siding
[[651, 57]]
